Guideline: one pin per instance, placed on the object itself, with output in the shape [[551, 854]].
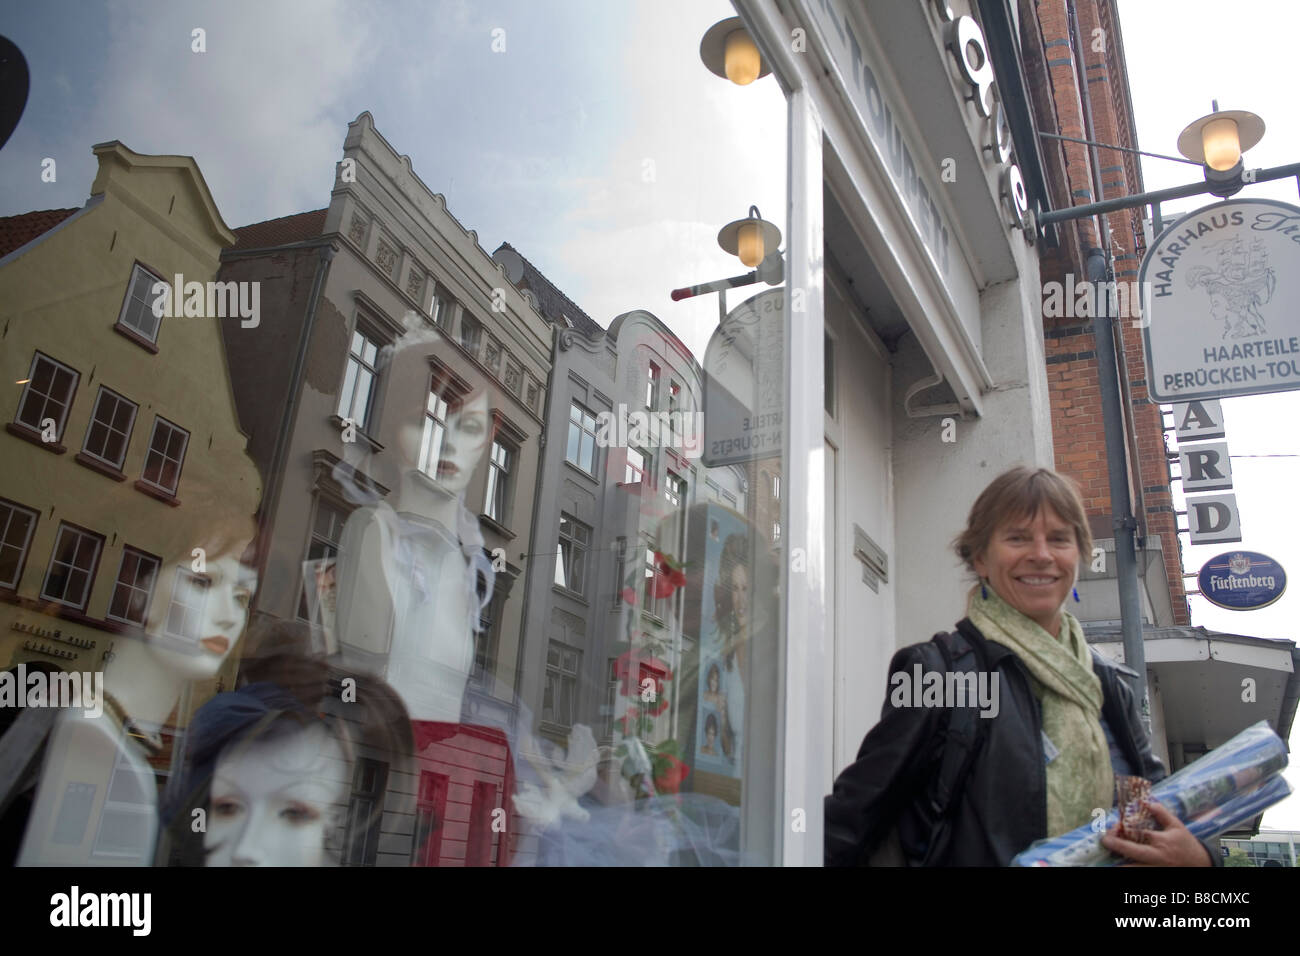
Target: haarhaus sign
[[1241, 580], [1222, 302]]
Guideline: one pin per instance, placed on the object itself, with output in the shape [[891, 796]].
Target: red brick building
[[1074, 58]]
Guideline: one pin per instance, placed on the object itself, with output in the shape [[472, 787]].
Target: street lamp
[[1217, 141], [730, 52], [750, 238]]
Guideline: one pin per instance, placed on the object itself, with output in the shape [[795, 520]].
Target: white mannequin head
[[452, 441], [275, 799]]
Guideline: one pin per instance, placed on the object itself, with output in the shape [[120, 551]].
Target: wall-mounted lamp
[[750, 238], [730, 52]]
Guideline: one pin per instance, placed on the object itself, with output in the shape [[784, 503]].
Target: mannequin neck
[[420, 495], [145, 688]]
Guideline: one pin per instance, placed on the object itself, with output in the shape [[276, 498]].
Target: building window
[[571, 555], [72, 567], [581, 447], [162, 465], [485, 642], [471, 333], [135, 580], [498, 483], [675, 490], [776, 486], [478, 851], [322, 551], [47, 394], [776, 531], [16, 525], [634, 471], [137, 308], [651, 602], [435, 430], [365, 809], [613, 690], [559, 701], [620, 568], [674, 405], [357, 394], [110, 427], [430, 813], [652, 387], [185, 612], [440, 309]]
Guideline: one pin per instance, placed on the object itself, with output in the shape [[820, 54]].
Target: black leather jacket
[[1004, 805]]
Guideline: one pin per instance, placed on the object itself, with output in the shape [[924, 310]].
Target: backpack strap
[[964, 734]]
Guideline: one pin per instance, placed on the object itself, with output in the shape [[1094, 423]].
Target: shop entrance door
[[859, 523]]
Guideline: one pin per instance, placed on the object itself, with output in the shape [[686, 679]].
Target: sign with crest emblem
[[1221, 302], [1242, 580]]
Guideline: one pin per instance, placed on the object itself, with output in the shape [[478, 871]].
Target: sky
[[589, 136], [1251, 54]]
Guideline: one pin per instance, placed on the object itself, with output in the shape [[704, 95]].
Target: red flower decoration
[[629, 595], [669, 773], [634, 666], [668, 576]]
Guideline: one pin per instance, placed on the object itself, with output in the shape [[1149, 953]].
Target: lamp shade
[[730, 52], [1218, 139], [751, 239]]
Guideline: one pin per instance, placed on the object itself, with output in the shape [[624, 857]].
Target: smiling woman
[[1048, 756]]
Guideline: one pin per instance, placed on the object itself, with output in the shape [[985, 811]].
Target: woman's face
[[273, 802], [1031, 564], [740, 595], [450, 454], [206, 616]]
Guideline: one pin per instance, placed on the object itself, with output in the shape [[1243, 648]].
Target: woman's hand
[[1171, 845]]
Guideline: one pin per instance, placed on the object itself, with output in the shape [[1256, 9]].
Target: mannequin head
[[276, 798], [452, 440]]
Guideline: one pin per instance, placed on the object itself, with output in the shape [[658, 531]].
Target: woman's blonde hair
[[1022, 492]]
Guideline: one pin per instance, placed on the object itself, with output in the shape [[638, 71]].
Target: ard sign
[[1221, 297]]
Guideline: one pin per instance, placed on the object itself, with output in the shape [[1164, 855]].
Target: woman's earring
[[1076, 595], [984, 592]]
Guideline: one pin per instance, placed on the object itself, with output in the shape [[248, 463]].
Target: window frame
[[302, 609], [130, 331], [582, 410], [60, 424], [575, 676], [502, 487], [90, 425], [26, 549], [90, 574], [584, 546], [369, 337], [182, 571], [117, 582], [180, 464]]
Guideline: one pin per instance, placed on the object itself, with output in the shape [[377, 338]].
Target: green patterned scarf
[[1080, 777]]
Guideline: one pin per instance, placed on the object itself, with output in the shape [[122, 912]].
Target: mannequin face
[[205, 618], [450, 455], [273, 802]]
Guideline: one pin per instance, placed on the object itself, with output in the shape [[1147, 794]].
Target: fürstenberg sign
[[1223, 306], [876, 114]]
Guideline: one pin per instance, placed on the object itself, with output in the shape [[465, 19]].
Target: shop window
[[356, 397], [110, 427], [136, 316], [72, 567], [47, 394], [571, 554], [162, 464], [16, 526], [581, 447], [134, 588]]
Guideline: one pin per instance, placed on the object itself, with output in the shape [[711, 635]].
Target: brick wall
[[1070, 348]]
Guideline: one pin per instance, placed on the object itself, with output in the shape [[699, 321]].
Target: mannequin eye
[[225, 807], [299, 813]]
